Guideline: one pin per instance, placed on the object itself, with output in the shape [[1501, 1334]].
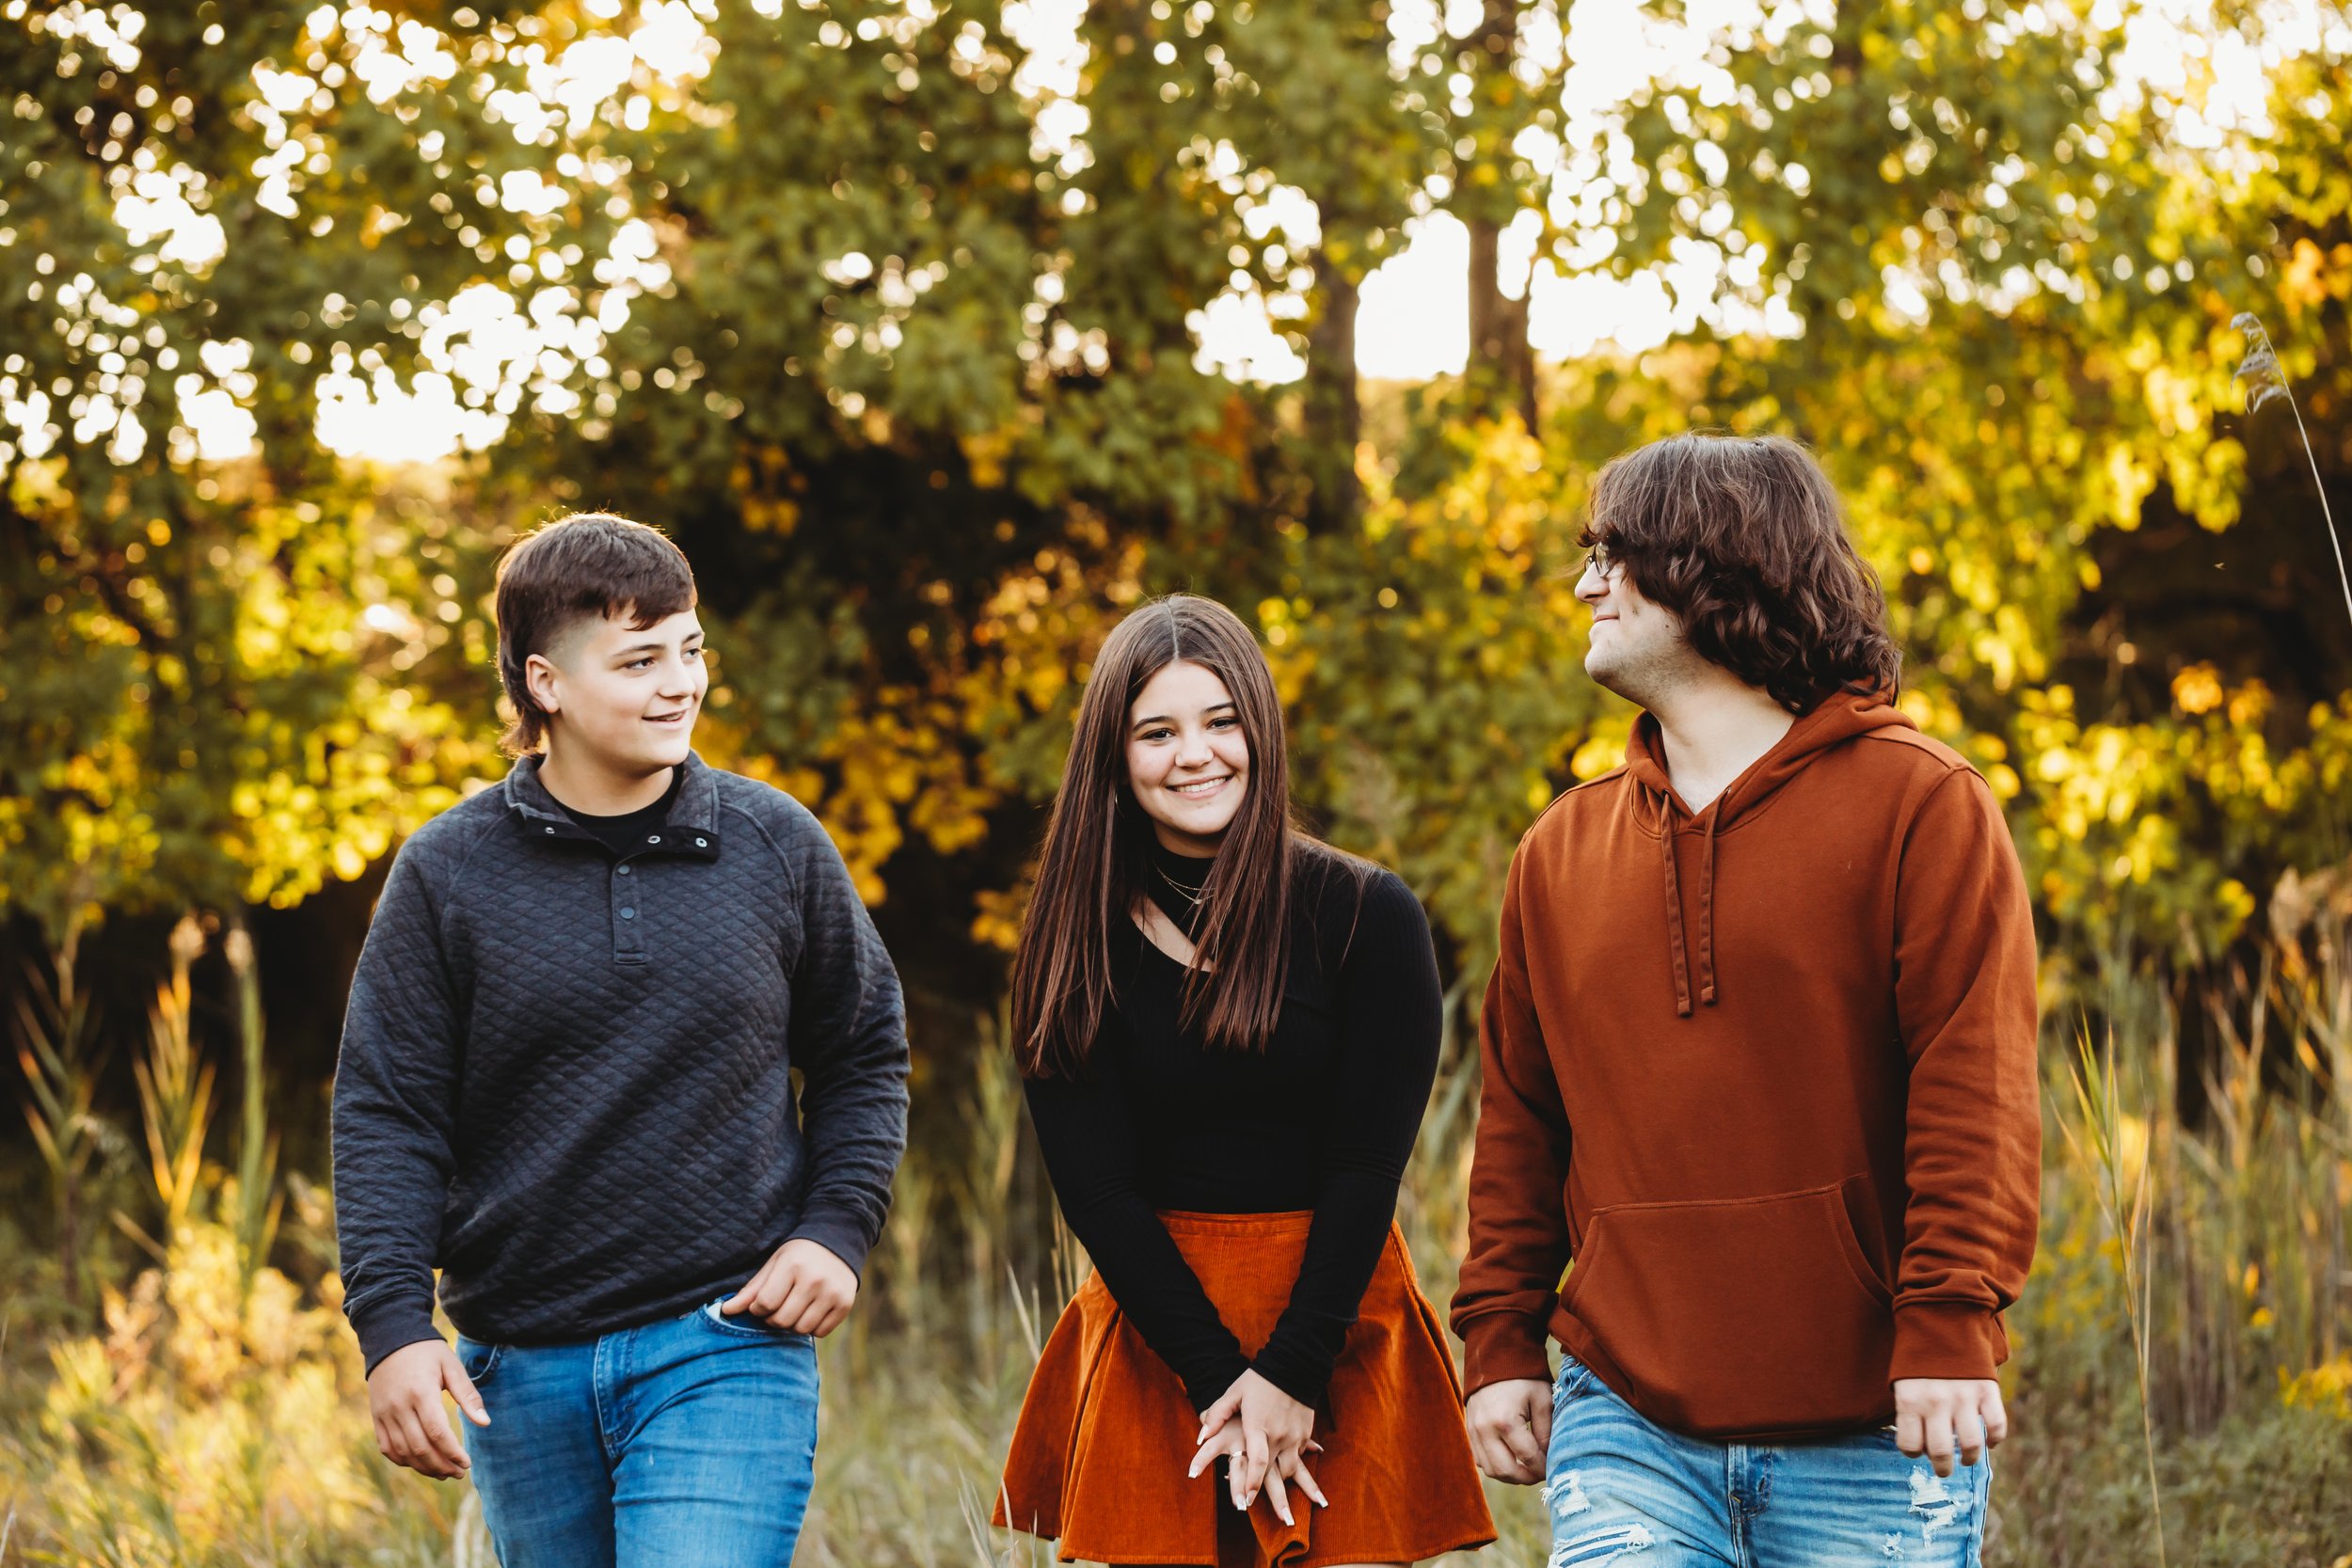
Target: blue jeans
[[685, 1443], [1626, 1492]]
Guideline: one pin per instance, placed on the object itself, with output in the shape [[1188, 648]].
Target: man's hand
[[1934, 1413], [1510, 1429], [802, 1288], [404, 1399]]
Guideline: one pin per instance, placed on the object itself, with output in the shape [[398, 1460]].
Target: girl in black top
[[1229, 1031]]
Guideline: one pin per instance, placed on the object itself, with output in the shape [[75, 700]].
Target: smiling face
[[623, 699], [1637, 648], [1187, 759]]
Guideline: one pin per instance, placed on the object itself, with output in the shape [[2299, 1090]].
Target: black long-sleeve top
[[1322, 1118]]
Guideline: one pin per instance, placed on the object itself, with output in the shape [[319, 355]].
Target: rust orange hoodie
[[1767, 1074]]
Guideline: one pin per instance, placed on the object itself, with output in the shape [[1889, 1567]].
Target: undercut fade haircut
[[589, 565], [1744, 539]]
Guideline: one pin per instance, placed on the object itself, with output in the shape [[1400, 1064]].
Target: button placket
[[628, 945]]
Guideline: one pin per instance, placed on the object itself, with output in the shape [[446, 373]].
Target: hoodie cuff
[[385, 1326], [1501, 1346], [1948, 1339]]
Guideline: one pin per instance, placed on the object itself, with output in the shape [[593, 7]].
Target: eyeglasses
[[1603, 565]]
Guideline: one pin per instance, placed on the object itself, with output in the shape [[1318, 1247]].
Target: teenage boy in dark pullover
[[565, 1083], [1759, 1058]]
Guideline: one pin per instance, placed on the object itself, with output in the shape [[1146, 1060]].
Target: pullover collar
[[691, 828]]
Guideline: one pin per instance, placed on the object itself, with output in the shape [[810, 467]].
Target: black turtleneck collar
[[1175, 882]]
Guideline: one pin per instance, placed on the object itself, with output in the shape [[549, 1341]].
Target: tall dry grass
[[2205, 1360], [212, 1412]]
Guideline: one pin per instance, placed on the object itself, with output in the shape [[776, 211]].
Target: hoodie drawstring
[[1676, 942], [1707, 909], [1673, 917], [1832, 722]]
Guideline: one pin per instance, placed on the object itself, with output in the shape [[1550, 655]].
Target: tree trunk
[[1335, 419], [1500, 374], [1501, 368]]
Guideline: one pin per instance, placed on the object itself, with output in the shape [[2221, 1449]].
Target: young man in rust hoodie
[[1759, 1058]]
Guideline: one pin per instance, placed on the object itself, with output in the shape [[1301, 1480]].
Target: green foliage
[[891, 316], [1467, 589]]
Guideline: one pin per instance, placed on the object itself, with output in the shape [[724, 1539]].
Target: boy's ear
[[539, 676]]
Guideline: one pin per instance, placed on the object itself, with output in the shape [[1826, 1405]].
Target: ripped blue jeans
[[1626, 1493]]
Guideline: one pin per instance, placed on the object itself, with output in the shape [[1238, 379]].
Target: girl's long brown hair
[[1098, 847]]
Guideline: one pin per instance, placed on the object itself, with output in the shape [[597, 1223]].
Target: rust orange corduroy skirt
[[1097, 1458]]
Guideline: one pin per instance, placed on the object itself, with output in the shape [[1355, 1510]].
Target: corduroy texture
[[1097, 1458]]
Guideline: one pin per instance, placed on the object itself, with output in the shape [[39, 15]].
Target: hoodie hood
[[1833, 721]]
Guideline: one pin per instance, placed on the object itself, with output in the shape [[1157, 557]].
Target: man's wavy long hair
[[1097, 853], [1742, 538]]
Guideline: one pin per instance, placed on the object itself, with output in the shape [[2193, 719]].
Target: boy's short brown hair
[[589, 565]]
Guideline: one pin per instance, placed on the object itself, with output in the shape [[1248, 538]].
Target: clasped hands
[[1264, 1438]]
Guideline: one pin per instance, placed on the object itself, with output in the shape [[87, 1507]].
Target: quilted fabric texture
[[565, 1076]]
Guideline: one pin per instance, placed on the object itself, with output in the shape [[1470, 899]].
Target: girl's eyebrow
[[1164, 719]]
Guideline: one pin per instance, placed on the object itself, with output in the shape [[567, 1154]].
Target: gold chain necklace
[[1190, 894]]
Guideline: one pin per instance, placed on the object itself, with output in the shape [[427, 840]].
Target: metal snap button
[[624, 870], [629, 914], [653, 838]]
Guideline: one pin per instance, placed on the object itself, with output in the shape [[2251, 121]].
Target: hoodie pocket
[[1744, 1317]]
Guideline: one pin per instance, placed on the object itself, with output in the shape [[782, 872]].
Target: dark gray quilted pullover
[[566, 1077]]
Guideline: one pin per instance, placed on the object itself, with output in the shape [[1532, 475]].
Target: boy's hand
[[404, 1399], [1510, 1429], [802, 1288], [1933, 1415]]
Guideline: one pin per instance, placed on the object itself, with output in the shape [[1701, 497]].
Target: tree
[[892, 316]]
